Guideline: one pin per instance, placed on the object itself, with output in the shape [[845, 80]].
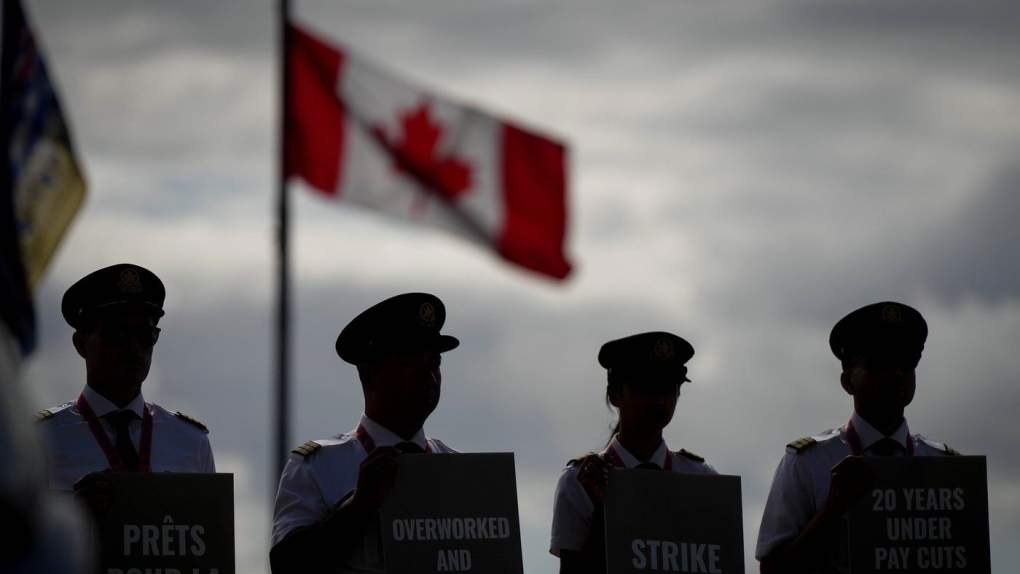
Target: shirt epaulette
[[186, 418], [802, 444], [51, 412], [691, 455], [579, 459], [306, 449], [938, 445]]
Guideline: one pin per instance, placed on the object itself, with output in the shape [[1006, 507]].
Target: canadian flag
[[355, 132]]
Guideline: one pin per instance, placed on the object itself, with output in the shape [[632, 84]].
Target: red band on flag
[[534, 191], [314, 125], [358, 133]]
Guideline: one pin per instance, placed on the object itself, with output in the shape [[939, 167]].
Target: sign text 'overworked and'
[[453, 513]]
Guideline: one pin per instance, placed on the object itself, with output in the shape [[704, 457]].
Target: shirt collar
[[383, 436], [870, 435], [630, 461], [102, 406]]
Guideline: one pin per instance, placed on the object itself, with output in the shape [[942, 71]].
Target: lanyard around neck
[[116, 463]]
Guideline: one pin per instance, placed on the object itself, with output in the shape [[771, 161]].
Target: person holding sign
[[110, 427], [644, 373], [326, 515], [804, 526]]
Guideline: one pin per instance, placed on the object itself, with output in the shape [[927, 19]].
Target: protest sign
[[171, 523], [927, 514], [453, 513], [673, 522]]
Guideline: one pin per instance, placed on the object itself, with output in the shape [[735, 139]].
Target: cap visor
[[448, 343], [143, 306]]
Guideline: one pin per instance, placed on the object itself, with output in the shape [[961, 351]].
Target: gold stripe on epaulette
[[691, 455], [952, 451], [802, 443], [43, 415], [307, 448], [195, 422]]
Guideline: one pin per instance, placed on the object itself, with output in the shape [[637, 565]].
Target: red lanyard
[[616, 460], [369, 445], [855, 440], [144, 453]]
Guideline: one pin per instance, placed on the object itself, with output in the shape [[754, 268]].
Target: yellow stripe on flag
[[46, 198]]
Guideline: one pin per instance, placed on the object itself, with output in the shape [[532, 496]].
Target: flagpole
[[282, 317]]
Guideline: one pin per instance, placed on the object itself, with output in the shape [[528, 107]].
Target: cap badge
[[427, 314], [130, 281], [891, 314], [663, 350]]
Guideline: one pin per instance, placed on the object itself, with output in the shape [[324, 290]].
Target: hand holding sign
[[851, 478], [95, 491], [376, 476], [592, 475]]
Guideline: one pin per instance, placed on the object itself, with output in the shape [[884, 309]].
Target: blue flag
[[41, 187]]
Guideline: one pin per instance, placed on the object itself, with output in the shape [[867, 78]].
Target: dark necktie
[[648, 466], [408, 447], [886, 447], [125, 448]]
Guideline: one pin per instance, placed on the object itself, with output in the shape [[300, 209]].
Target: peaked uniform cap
[[655, 353], [109, 289], [407, 321], [879, 326]]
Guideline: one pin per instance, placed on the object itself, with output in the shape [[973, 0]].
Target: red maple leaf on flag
[[415, 154]]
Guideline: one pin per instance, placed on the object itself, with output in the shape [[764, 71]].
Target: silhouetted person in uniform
[[644, 374], [804, 527], [326, 517], [110, 427]]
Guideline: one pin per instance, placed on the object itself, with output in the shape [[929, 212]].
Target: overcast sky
[[742, 174]]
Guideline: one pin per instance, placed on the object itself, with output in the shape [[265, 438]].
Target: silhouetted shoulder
[[186, 421], [440, 447], [938, 445], [688, 454], [310, 449], [307, 449], [52, 413], [577, 460], [806, 444], [190, 420]]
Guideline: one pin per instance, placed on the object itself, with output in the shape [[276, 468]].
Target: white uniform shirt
[[178, 444], [572, 509], [801, 484], [312, 485]]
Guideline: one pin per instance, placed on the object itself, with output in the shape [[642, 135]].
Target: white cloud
[[743, 174]]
